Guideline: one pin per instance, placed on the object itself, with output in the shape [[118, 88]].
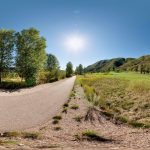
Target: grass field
[[124, 97]]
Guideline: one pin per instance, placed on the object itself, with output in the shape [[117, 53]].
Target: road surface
[[31, 107]]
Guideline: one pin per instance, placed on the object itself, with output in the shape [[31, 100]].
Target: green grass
[[125, 96]]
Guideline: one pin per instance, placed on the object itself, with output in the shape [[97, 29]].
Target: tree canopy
[[69, 69], [7, 40], [31, 55]]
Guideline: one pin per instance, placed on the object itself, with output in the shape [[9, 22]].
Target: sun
[[75, 43]]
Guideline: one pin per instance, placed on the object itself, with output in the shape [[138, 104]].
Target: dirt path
[[30, 107]]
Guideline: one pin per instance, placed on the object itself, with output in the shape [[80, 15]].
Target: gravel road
[[30, 107]]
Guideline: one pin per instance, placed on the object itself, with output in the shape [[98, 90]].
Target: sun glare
[[75, 43]]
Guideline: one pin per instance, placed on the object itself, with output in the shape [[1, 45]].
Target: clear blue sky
[[112, 28]]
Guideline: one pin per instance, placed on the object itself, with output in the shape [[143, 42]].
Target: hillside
[[141, 64]]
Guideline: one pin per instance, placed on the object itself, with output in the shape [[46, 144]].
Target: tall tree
[[77, 70], [52, 62], [7, 40], [52, 65], [80, 69], [31, 55], [69, 69]]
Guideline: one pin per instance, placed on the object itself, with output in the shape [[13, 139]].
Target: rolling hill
[[141, 64]]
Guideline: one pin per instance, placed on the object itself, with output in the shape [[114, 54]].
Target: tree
[[77, 70], [81, 69], [52, 62], [69, 69], [7, 40], [31, 55], [52, 65]]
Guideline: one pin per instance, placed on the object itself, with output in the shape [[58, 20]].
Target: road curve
[[29, 109]]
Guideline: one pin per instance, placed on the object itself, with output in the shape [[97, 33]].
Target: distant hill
[[141, 64]]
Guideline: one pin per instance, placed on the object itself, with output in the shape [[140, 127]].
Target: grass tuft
[[57, 128], [78, 118], [93, 136], [55, 122], [75, 107], [57, 117]]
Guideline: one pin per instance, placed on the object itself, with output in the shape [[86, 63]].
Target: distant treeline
[[141, 65], [23, 54]]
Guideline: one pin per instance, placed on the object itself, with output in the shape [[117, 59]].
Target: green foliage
[[52, 62], [141, 65], [79, 69], [12, 85], [106, 65], [69, 69], [7, 41], [31, 56]]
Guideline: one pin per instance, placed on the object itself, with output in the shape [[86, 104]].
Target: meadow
[[123, 97]]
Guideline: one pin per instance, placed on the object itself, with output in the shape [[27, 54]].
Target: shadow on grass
[[12, 86]]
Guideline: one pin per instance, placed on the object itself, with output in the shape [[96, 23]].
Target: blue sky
[[111, 28]]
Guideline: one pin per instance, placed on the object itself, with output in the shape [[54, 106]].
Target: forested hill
[[141, 64]]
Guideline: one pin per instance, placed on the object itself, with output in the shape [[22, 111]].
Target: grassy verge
[[123, 96]]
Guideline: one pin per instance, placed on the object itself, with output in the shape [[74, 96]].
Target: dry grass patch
[[14, 134], [91, 135], [75, 106]]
